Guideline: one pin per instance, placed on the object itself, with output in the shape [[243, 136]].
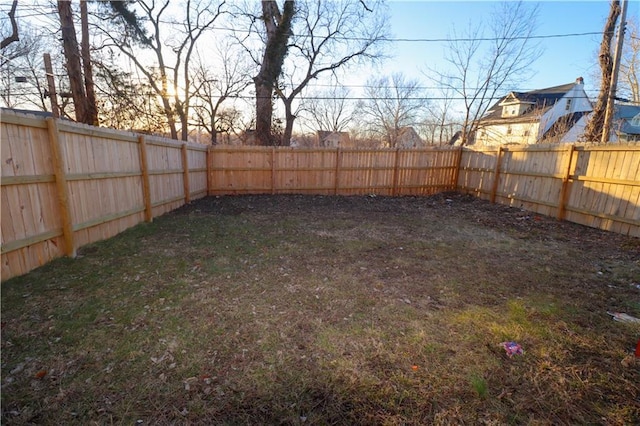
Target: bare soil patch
[[329, 310]]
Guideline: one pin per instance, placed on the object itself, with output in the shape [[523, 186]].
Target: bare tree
[[22, 79], [305, 40], [277, 29], [211, 89], [126, 102], [11, 49], [13, 37], [593, 129], [328, 110], [73, 63], [329, 36], [172, 40], [393, 103], [629, 78], [478, 74], [440, 122], [78, 62], [91, 112]]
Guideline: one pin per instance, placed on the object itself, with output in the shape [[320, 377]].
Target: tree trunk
[[72, 55], [184, 121], [278, 28], [170, 119], [288, 127], [166, 104], [264, 113], [92, 108], [466, 128], [593, 130]]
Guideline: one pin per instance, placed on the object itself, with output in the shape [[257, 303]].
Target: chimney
[[579, 80]]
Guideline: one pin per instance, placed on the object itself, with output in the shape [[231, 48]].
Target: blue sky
[[562, 61]]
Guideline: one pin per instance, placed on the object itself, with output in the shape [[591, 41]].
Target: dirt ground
[[451, 207], [597, 261], [329, 310]]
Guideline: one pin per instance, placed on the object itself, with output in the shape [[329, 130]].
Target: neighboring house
[[625, 125], [408, 138], [328, 139], [37, 113], [543, 115]]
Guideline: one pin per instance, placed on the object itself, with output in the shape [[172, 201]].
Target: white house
[[329, 139], [625, 126], [408, 138], [543, 115]]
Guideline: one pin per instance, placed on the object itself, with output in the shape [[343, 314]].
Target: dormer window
[[511, 110], [512, 106]]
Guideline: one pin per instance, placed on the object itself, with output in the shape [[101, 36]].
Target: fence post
[[273, 170], [185, 174], [394, 189], [210, 170], [338, 161], [61, 185], [496, 175], [456, 171], [146, 188], [562, 202]]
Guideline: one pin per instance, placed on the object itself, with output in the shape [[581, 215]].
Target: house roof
[[626, 111], [326, 134], [542, 99], [41, 114], [626, 115], [408, 137], [559, 128]]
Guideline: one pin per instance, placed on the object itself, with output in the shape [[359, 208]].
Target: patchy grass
[[322, 310]]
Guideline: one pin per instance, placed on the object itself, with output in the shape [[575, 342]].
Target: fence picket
[[66, 184]]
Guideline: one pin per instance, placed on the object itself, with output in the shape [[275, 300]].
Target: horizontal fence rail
[[65, 184], [597, 186], [332, 171]]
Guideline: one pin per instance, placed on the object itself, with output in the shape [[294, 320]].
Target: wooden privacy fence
[[597, 186], [332, 171], [65, 184]]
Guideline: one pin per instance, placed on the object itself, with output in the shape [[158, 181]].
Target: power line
[[429, 40], [437, 39], [348, 98], [365, 86]]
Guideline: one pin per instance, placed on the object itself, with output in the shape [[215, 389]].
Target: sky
[[563, 59]]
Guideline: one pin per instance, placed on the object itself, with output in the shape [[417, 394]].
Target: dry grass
[[320, 310]]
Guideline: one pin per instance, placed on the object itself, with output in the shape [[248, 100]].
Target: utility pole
[[608, 115], [55, 110]]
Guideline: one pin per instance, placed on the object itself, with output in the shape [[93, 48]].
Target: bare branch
[[14, 27], [479, 72]]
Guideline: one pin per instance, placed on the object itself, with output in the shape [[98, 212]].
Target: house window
[[509, 130], [568, 106], [526, 133]]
